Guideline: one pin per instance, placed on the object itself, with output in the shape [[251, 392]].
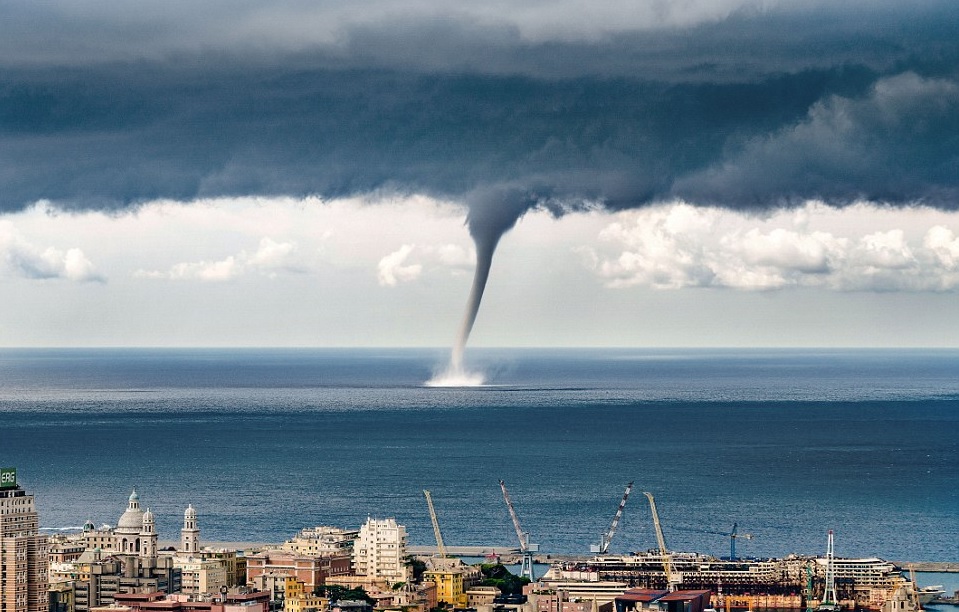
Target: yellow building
[[449, 586], [280, 586], [306, 602]]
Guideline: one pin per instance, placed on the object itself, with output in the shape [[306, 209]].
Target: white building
[[321, 541], [380, 550], [201, 576]]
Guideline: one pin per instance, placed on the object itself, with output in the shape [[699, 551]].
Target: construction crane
[[914, 590], [436, 525], [829, 601], [732, 535], [607, 537], [525, 547], [672, 581]]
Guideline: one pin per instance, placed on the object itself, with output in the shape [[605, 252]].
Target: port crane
[[525, 547], [672, 580], [607, 537], [829, 601], [441, 549], [732, 535], [914, 590]]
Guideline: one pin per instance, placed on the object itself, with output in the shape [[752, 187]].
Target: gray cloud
[[733, 103], [898, 143]]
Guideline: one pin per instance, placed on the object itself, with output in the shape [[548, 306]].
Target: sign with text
[[8, 478]]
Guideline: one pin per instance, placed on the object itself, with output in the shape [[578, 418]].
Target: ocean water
[[786, 443]]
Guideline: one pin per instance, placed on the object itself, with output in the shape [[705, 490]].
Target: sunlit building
[[23, 551]]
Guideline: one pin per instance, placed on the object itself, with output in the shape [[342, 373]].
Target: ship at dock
[[793, 582]]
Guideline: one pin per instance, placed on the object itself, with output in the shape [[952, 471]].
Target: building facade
[[23, 551], [322, 541], [311, 571], [380, 551]]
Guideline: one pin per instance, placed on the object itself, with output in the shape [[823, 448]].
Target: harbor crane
[[441, 549], [672, 580], [607, 537], [829, 602], [732, 535], [525, 547]]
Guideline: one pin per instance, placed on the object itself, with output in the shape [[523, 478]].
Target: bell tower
[[190, 534]]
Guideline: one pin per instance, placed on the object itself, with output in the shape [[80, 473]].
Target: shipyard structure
[[794, 582]]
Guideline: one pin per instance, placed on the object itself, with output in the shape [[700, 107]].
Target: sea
[[785, 445]]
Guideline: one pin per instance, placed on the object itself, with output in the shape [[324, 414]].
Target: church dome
[[132, 520]]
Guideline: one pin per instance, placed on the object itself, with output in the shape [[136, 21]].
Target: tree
[[336, 593], [496, 574], [417, 568]]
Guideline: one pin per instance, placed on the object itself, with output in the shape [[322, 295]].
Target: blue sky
[[736, 173]]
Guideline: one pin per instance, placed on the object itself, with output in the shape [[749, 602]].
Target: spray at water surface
[[491, 214]]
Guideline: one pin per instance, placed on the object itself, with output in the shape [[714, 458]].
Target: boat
[[929, 593]]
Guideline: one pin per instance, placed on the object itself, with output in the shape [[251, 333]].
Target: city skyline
[[737, 173]]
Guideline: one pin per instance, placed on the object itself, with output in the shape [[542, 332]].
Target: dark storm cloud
[[747, 108]]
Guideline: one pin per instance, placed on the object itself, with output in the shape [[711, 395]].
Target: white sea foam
[[456, 376]]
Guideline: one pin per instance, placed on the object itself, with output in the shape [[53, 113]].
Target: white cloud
[[26, 260], [391, 269], [677, 245], [942, 242], [397, 267], [270, 257]]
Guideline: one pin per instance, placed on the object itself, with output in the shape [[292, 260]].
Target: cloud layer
[[678, 246], [741, 103]]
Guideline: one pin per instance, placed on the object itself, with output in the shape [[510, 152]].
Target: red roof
[[643, 595], [683, 595]]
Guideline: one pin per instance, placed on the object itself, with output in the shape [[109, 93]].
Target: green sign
[[8, 478]]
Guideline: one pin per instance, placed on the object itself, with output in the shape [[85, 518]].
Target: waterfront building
[[380, 551], [322, 541], [23, 551], [310, 570]]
